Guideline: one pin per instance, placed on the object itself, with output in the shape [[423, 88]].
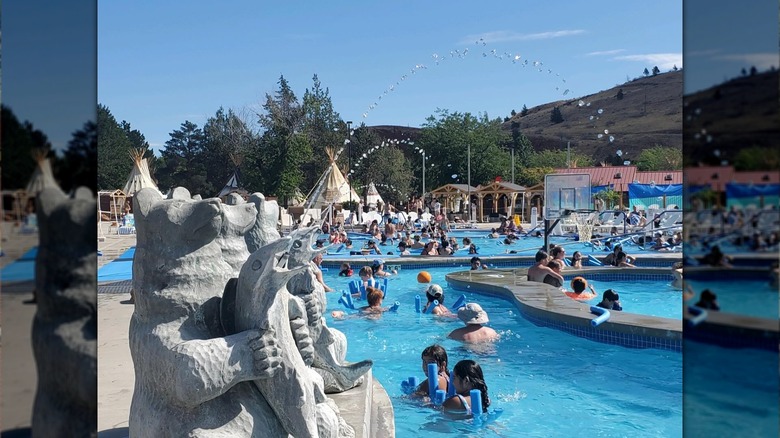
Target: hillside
[[649, 114], [739, 113]]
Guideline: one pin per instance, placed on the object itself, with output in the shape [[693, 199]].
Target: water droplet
[[600, 111], [581, 103], [454, 176], [600, 135], [606, 131], [611, 138]]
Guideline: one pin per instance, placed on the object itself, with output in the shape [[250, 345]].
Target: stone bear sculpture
[[189, 379], [64, 332]]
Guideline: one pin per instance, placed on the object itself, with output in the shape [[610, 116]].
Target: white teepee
[[332, 187], [140, 177], [373, 198], [42, 177]]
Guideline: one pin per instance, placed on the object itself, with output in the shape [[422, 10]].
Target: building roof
[[696, 176], [660, 178], [756, 177], [500, 187], [453, 188], [601, 176]]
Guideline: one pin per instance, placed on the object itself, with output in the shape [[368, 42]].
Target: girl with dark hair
[[467, 375], [438, 355]]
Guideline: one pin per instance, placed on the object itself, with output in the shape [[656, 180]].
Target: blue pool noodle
[[430, 308], [476, 402], [417, 304], [362, 291], [347, 303], [460, 303], [438, 398], [603, 315], [699, 315], [395, 306], [354, 287], [409, 385], [433, 379], [451, 386], [594, 261]]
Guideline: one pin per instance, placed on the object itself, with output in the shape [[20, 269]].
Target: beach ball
[[423, 277]]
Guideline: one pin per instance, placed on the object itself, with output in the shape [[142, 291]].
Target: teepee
[[140, 177], [233, 184], [332, 187], [373, 198], [42, 177]]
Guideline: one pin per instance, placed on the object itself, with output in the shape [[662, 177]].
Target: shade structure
[[332, 187], [373, 198]]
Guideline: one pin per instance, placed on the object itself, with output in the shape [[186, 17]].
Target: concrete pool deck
[[547, 306]]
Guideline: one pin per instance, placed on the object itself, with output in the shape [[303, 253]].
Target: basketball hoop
[[584, 222]]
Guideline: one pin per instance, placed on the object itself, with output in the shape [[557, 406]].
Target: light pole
[[349, 161]]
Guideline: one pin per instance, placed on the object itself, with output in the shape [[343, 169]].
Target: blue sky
[[161, 63], [723, 36], [49, 64]]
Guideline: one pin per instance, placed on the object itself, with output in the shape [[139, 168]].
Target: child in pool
[[467, 375], [435, 292], [438, 355], [346, 270]]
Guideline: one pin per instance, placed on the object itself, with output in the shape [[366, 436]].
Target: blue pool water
[[745, 297], [730, 393], [655, 298], [548, 383], [487, 246]]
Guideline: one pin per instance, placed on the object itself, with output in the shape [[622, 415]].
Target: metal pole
[[423, 193], [349, 165], [513, 165], [468, 160], [568, 154]]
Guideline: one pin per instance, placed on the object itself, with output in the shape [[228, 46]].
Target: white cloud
[[501, 36], [606, 52], [761, 61], [663, 61]]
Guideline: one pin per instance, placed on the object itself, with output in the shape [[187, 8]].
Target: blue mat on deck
[[21, 269], [118, 269]]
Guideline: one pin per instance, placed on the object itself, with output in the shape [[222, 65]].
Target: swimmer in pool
[[467, 375]]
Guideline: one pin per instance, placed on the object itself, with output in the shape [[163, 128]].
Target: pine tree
[[524, 111], [619, 95], [556, 116], [646, 72], [656, 70]]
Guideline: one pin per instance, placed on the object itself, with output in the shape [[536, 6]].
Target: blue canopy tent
[[645, 195], [758, 195]]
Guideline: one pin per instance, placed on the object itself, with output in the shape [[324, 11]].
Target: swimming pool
[[730, 392], [488, 246], [647, 297], [744, 297], [547, 382]]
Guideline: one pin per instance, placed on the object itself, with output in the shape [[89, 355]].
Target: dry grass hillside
[[649, 114], [736, 114]]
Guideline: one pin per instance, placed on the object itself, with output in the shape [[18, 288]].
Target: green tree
[[513, 113], [446, 141], [324, 128], [656, 70], [556, 116], [619, 95], [78, 168], [646, 72], [659, 158], [114, 163], [183, 164], [390, 170], [283, 147], [757, 158], [531, 176], [610, 197], [19, 140], [227, 137], [557, 159], [524, 111]]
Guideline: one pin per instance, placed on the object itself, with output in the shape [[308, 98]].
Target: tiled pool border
[[546, 306]]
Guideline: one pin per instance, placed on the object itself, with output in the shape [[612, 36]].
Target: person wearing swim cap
[[378, 267], [434, 292]]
